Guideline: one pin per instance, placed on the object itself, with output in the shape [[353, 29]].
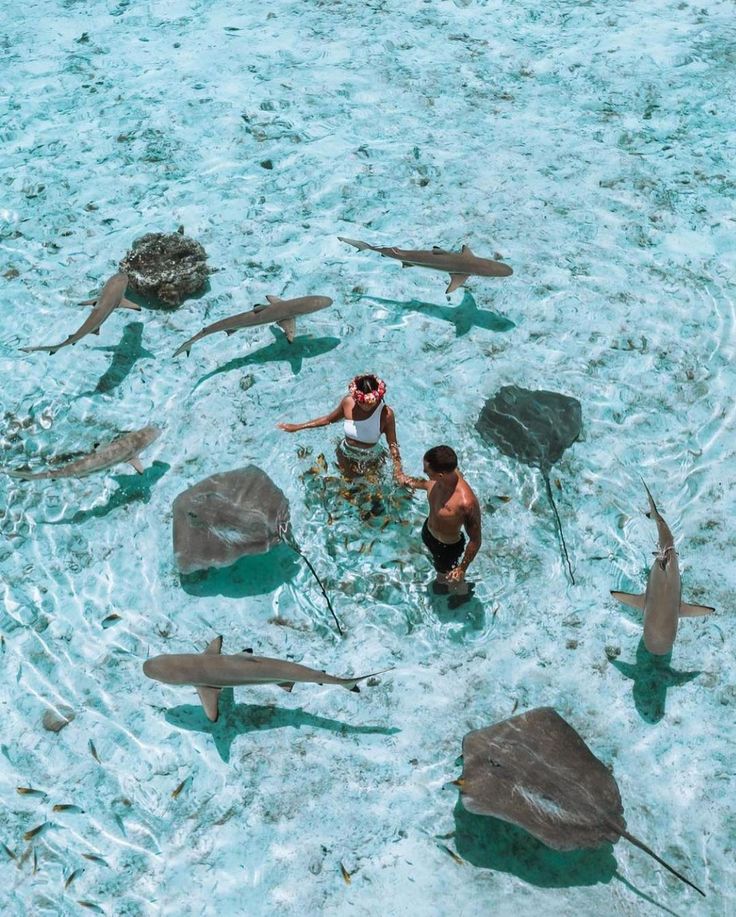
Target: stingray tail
[[559, 526], [319, 583], [637, 843]]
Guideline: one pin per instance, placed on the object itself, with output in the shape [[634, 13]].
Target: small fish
[[503, 498], [345, 874], [558, 485], [35, 862], [72, 876], [34, 831], [8, 851], [66, 807], [93, 751], [452, 853], [110, 620], [29, 791], [175, 793], [91, 906], [93, 858], [516, 704]]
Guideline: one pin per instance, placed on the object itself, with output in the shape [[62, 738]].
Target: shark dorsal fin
[[274, 299], [466, 250], [215, 648]]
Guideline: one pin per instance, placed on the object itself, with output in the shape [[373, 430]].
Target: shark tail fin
[[652, 512], [694, 611], [356, 243], [351, 684], [186, 348], [648, 850]]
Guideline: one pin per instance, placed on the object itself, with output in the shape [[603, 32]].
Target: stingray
[[229, 515], [533, 427], [535, 771]]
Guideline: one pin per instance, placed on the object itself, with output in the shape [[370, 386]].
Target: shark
[[662, 602], [459, 265], [125, 448], [282, 312], [209, 672], [111, 297]]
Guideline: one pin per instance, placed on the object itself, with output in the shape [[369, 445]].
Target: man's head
[[439, 462]]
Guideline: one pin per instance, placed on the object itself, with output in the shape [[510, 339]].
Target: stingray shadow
[[302, 348], [254, 574], [464, 316], [124, 357], [132, 488], [494, 844], [652, 676], [240, 719]]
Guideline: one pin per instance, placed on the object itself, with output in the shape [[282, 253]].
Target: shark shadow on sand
[[132, 488], [652, 676], [240, 719], [535, 428], [125, 355], [302, 348], [464, 316]]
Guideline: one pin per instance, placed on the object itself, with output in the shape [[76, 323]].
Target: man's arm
[[475, 539]]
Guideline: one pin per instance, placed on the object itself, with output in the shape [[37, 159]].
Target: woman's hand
[[289, 427]]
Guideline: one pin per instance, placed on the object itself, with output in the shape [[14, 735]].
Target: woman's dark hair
[[441, 459], [366, 384]]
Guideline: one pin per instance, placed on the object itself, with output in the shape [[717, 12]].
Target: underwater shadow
[[302, 348], [652, 676], [464, 316], [240, 719], [125, 356], [254, 574], [490, 843], [132, 488], [466, 610]]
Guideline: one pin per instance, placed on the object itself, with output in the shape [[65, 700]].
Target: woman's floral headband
[[370, 397]]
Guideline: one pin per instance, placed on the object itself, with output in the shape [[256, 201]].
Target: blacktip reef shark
[[662, 602], [209, 672], [459, 265], [125, 448], [282, 312], [111, 297]]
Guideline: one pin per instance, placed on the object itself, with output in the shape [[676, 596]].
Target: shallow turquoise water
[[588, 145]]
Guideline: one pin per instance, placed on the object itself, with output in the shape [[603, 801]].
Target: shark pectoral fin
[[635, 601], [289, 328], [436, 248], [127, 304], [215, 647], [274, 299], [96, 331], [693, 611], [89, 302], [286, 685], [136, 463], [259, 307], [210, 698], [456, 280]]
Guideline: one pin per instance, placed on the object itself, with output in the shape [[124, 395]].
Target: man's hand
[[456, 575], [289, 427]]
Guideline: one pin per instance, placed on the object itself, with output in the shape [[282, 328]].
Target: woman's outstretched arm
[[332, 417]]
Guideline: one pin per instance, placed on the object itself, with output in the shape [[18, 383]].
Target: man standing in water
[[452, 506]]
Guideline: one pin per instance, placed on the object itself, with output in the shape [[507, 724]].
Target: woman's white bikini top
[[365, 431]]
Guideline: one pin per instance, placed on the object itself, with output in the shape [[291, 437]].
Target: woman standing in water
[[366, 419]]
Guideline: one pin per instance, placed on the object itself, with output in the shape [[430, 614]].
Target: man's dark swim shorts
[[445, 556]]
